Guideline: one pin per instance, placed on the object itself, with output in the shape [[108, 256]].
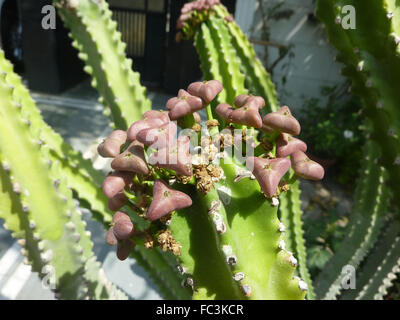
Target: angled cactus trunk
[[79, 172], [95, 35], [376, 278], [246, 259], [370, 54], [99, 43], [38, 207], [366, 222]]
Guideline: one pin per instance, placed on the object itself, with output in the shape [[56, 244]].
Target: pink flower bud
[[196, 117], [267, 129], [158, 137], [286, 145], [117, 202], [150, 119], [183, 105], [247, 115], [121, 216], [175, 158], [111, 147], [243, 99], [283, 121], [305, 167], [116, 182], [182, 20], [229, 18], [206, 90], [110, 238], [123, 229], [224, 110], [132, 159], [187, 7], [268, 172], [166, 200], [124, 249], [156, 114]]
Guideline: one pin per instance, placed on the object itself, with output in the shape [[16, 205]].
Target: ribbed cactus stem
[[258, 80], [371, 61], [207, 38], [79, 172], [95, 35], [290, 210], [381, 268], [366, 221], [49, 215]]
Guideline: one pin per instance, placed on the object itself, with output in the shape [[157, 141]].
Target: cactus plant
[[370, 59], [228, 206], [211, 213], [55, 240], [257, 82], [100, 46]]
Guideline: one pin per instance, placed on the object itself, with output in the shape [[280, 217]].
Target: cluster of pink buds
[[149, 153], [122, 229], [190, 7], [155, 133], [269, 171]]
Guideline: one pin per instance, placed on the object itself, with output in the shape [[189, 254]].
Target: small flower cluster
[[154, 135], [269, 171], [122, 229], [193, 14], [149, 153], [195, 6]]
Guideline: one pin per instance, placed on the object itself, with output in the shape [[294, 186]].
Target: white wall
[[312, 66]]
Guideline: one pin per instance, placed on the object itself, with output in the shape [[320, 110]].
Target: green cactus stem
[[233, 79], [290, 214], [46, 211], [366, 222], [370, 54], [234, 251], [381, 267], [100, 46], [258, 80], [79, 172]]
